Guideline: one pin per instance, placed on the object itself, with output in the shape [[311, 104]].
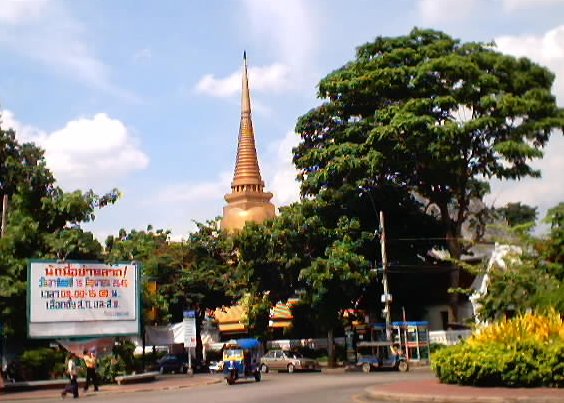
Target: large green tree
[[431, 115], [40, 220]]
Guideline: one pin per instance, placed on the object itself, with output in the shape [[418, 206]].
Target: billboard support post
[[189, 321]]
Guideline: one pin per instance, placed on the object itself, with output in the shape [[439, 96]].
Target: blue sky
[[144, 95]]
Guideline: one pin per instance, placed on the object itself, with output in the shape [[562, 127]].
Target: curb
[[372, 394]]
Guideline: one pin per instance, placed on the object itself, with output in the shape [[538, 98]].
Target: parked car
[[173, 363], [286, 361]]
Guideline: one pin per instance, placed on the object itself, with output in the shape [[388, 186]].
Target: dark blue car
[[173, 363]]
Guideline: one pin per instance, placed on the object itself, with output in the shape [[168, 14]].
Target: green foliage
[[42, 363], [42, 222], [533, 281], [109, 367], [517, 213], [429, 115], [524, 364]]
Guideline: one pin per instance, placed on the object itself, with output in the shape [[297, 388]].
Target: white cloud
[[16, 12], [546, 49], [268, 78], [440, 11], [24, 133], [512, 5], [143, 55], [196, 192], [87, 153], [45, 32], [290, 28], [280, 170]]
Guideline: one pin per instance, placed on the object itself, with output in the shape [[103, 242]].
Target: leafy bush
[[525, 351], [42, 363], [109, 367]]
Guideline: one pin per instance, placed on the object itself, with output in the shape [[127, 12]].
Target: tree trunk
[[331, 360], [452, 233], [3, 222], [200, 314]]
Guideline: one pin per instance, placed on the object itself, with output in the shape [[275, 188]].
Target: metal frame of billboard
[[83, 328]]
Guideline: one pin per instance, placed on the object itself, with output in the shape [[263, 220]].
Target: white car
[[215, 366]]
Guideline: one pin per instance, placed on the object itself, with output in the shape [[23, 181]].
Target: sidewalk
[[430, 390], [161, 383]]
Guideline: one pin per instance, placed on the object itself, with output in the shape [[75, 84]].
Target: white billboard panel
[[75, 299]]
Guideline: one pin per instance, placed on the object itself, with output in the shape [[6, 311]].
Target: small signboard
[[189, 322]]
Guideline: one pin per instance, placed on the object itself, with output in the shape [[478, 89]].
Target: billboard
[[77, 299]]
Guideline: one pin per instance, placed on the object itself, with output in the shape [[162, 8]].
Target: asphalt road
[[274, 388]]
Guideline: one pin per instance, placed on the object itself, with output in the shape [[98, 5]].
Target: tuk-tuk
[[241, 359], [380, 355]]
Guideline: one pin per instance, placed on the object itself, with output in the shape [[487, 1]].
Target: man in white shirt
[[72, 371]]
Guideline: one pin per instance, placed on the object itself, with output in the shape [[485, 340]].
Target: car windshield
[[296, 355]]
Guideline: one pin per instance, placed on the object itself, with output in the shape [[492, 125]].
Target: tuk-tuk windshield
[[232, 354]]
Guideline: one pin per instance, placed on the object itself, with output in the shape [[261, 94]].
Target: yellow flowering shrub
[[524, 351]]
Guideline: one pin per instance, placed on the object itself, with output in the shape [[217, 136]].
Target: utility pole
[[387, 297], [3, 221]]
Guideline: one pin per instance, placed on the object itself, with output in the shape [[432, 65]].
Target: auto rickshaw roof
[[245, 344]]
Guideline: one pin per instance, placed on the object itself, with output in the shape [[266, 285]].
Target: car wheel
[[291, 368], [264, 369], [366, 367], [403, 366]]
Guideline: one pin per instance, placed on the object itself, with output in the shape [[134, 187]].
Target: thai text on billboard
[[82, 298]]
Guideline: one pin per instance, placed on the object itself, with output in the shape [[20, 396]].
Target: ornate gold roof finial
[[246, 166], [247, 200]]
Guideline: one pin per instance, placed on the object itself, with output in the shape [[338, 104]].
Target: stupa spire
[[247, 170], [247, 201]]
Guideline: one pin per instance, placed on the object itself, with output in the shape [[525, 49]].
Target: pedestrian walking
[[91, 364], [72, 371]]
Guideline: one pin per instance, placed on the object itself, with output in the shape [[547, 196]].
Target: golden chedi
[[247, 201]]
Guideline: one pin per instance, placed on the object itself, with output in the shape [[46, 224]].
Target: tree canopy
[[431, 115], [42, 221]]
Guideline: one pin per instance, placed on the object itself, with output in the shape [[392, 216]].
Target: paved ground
[[421, 388], [161, 383]]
